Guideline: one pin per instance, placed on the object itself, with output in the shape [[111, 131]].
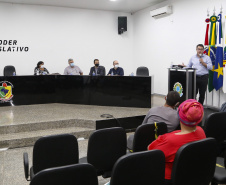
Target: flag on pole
[[212, 50], [224, 60], [206, 43], [218, 69]]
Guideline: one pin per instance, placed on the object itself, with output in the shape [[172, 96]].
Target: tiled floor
[[26, 114]]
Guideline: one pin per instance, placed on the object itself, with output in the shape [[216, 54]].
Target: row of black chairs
[[215, 127], [105, 147], [130, 169], [141, 168], [11, 71]]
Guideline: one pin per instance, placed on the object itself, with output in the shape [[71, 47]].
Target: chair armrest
[[26, 165]]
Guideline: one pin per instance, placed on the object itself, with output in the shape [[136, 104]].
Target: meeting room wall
[[171, 39], [54, 34]]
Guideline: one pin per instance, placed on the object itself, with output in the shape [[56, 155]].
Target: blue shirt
[[119, 71], [195, 63]]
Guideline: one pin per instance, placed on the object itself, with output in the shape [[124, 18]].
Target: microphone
[[200, 56]]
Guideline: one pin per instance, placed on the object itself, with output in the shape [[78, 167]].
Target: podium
[[183, 81]]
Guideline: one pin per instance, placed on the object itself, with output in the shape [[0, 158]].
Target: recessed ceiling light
[[113, 0]]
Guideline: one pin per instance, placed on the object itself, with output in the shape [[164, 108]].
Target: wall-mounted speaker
[[122, 25]]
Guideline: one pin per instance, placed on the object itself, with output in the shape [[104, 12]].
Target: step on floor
[[23, 139], [35, 126]]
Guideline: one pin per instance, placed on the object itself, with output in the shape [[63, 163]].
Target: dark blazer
[[100, 71]]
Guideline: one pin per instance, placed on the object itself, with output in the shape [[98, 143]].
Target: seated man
[[72, 69], [190, 114], [165, 113], [97, 70], [116, 71]]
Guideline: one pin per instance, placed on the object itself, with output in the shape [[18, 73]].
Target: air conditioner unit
[[166, 10]]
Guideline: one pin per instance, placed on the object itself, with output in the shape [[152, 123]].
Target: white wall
[[158, 42], [54, 34]]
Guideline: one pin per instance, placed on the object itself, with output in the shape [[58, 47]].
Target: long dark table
[[122, 91]]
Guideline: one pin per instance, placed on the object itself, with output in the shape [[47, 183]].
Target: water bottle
[[132, 74], [94, 74], [112, 74], [14, 73], [171, 65]]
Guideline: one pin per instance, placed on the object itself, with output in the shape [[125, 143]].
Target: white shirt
[[72, 70], [195, 63]]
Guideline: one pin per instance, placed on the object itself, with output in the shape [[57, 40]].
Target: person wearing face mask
[[97, 70], [72, 69], [116, 70], [40, 69], [203, 64]]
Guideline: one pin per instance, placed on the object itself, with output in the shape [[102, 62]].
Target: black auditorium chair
[[52, 151], [142, 71], [141, 168], [194, 163], [145, 135], [215, 127], [77, 174], [223, 107], [105, 147], [9, 70], [220, 171]]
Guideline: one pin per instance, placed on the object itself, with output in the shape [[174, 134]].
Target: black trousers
[[168, 182], [201, 85]]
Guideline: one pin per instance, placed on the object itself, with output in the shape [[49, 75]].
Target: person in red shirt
[[190, 114]]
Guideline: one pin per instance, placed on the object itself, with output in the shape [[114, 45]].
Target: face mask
[[97, 65], [72, 64], [116, 66], [42, 66]]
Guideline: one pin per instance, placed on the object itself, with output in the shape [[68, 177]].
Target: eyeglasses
[[200, 49]]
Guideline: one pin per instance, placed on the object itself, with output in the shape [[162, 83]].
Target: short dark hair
[[172, 98], [70, 59], [95, 60], [39, 63], [200, 45], [114, 61]]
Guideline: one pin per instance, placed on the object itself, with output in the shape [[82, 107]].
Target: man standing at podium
[[203, 64]]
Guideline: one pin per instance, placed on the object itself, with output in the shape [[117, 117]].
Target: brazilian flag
[[212, 54], [212, 50]]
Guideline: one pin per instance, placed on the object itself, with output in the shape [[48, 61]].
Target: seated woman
[[190, 114], [40, 69]]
